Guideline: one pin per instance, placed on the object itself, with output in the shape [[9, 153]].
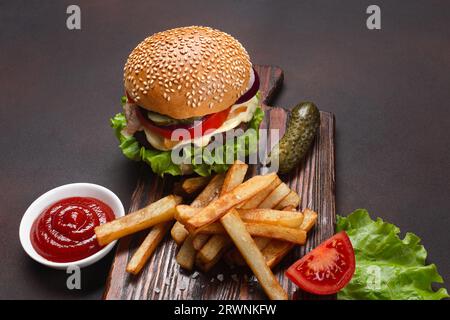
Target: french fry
[[217, 208], [234, 257], [213, 249], [160, 211], [234, 177], [276, 250], [255, 202], [273, 250], [184, 212], [261, 242], [148, 246], [274, 217], [258, 198], [210, 192], [294, 235], [292, 199], [212, 229], [200, 240], [275, 197], [179, 233], [192, 185], [266, 241], [255, 229], [309, 220], [238, 233], [186, 255]]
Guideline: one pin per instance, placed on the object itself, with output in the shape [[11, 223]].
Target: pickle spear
[[299, 135]]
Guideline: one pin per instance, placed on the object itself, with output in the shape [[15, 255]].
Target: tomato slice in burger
[[327, 268], [208, 122]]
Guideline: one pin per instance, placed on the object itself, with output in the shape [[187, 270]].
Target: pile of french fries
[[252, 222]]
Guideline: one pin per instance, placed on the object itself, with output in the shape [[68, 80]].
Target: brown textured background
[[389, 90]]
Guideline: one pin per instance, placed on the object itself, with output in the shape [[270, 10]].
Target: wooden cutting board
[[162, 278]]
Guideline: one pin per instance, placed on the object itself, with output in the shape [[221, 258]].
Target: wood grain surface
[[162, 278]]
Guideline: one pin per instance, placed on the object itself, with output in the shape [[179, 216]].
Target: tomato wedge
[[327, 268]]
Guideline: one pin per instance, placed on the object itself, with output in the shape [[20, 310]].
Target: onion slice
[[252, 91]]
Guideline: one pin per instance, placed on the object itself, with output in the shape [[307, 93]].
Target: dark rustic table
[[388, 88]]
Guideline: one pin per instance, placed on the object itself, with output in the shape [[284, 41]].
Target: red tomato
[[327, 268], [209, 122]]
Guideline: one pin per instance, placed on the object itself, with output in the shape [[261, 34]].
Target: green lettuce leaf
[[387, 267], [258, 116], [128, 144], [161, 162]]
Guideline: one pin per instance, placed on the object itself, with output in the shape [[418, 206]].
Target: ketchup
[[64, 232]]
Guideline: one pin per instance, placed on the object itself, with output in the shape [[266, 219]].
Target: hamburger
[[194, 80]]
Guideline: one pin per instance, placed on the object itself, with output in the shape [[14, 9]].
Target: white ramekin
[[52, 196]]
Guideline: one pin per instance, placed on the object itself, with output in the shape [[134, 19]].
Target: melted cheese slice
[[239, 113]]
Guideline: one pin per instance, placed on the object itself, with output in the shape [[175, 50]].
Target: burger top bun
[[187, 72]]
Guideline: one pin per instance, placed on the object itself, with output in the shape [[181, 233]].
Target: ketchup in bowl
[[64, 232]]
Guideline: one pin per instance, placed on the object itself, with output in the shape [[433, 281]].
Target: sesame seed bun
[[187, 72]]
